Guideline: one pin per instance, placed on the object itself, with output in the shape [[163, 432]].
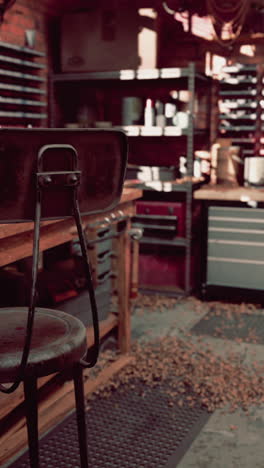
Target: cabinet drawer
[[233, 249], [235, 273], [236, 219], [104, 262], [171, 214], [235, 212], [235, 234]]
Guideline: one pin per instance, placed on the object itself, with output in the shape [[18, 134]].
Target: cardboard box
[[101, 39]]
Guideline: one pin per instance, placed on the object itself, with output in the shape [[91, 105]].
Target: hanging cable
[[168, 10], [227, 17]]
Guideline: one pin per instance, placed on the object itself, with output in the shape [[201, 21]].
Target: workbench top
[[224, 192], [130, 194], [16, 238], [11, 229]]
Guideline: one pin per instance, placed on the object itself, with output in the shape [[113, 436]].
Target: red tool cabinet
[[162, 255]]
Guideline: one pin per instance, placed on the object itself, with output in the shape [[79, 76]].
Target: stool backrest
[[99, 155]]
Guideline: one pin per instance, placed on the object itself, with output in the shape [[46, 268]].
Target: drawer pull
[[236, 260], [101, 279], [154, 217], [105, 255], [243, 231], [235, 242], [234, 220], [122, 216], [136, 233], [103, 232]]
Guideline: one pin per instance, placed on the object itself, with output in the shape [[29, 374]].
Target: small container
[[160, 117], [102, 124], [149, 114], [254, 171], [161, 120], [131, 110]]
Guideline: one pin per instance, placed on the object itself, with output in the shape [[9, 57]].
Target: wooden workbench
[[222, 192], [15, 244]]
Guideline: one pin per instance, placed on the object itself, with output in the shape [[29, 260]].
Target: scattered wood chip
[[192, 374], [190, 371]]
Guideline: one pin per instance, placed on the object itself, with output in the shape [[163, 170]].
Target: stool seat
[[58, 341]]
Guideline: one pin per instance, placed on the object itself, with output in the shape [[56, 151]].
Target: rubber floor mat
[[133, 428], [243, 327]]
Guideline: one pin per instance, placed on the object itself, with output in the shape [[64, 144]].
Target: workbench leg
[[123, 268], [31, 404], [134, 269], [80, 415]]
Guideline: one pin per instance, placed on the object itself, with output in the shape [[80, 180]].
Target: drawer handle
[[105, 255], [101, 223], [91, 244], [121, 216], [103, 232], [101, 279], [136, 233]]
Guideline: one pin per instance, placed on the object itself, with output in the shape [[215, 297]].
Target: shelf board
[[141, 130], [162, 186], [175, 131], [248, 152], [241, 92], [23, 50], [155, 131], [22, 115], [243, 140], [238, 128], [166, 186], [20, 62], [128, 75], [239, 68], [235, 116], [238, 80], [20, 75], [22, 89], [23, 102], [239, 104]]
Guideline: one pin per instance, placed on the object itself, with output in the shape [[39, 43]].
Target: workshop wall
[[24, 15], [26, 24]]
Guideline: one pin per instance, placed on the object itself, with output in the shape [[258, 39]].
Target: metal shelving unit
[[21, 50], [23, 86], [129, 75], [182, 79], [240, 106]]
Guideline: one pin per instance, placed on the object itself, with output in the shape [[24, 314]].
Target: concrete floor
[[218, 445]]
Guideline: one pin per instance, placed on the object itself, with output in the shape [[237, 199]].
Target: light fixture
[[30, 38]]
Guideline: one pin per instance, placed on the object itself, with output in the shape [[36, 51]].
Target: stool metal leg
[[80, 414], [31, 402]]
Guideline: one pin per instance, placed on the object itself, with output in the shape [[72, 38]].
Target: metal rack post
[[259, 109], [190, 147]]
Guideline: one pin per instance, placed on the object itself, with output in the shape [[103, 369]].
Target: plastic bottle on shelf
[[171, 109], [149, 113], [160, 117]]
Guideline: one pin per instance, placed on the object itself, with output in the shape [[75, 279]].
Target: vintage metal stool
[[48, 174]]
